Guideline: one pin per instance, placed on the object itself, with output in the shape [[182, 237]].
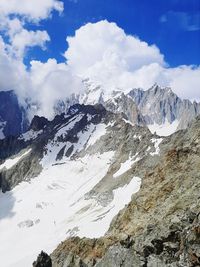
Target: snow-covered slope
[[84, 162]]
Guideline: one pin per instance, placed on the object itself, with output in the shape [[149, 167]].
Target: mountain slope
[[161, 224], [77, 170]]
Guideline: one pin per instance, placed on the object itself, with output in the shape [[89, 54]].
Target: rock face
[[158, 108], [38, 123], [161, 224], [158, 105], [13, 119], [116, 102]]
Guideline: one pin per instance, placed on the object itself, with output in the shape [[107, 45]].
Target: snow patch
[[30, 135], [98, 132], [156, 143], [125, 166], [96, 219], [165, 129], [9, 163], [2, 126], [129, 122]]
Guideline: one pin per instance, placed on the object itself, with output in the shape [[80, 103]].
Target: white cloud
[[23, 39], [105, 43], [185, 81], [43, 83], [183, 20], [30, 9], [51, 81], [14, 17], [103, 52], [13, 73]]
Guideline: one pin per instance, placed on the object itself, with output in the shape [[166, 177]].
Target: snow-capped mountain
[[163, 111], [12, 116], [71, 176], [158, 108], [76, 169]]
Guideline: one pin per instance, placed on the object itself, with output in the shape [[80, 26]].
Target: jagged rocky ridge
[[160, 105], [161, 224], [158, 108]]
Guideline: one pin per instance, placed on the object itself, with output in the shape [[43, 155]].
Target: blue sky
[[173, 25]]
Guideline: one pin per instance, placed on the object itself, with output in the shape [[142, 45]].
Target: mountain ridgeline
[[112, 181], [161, 110]]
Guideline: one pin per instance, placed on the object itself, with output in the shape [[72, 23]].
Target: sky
[[47, 47], [172, 25]]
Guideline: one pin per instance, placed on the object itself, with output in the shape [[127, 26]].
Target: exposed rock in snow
[[73, 192]]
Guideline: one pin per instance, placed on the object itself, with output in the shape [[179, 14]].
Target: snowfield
[[59, 203], [53, 206]]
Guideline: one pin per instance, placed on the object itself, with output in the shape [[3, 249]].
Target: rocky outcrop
[[43, 260], [38, 123], [161, 225]]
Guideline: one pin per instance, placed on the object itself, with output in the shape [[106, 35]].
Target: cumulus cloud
[[34, 10], [105, 43], [14, 18], [105, 53]]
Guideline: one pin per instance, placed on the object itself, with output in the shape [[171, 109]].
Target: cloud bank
[[100, 51], [104, 52]]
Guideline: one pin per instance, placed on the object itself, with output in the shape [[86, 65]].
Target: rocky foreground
[[160, 226]]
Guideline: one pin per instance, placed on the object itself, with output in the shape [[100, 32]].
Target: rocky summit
[[96, 187]]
